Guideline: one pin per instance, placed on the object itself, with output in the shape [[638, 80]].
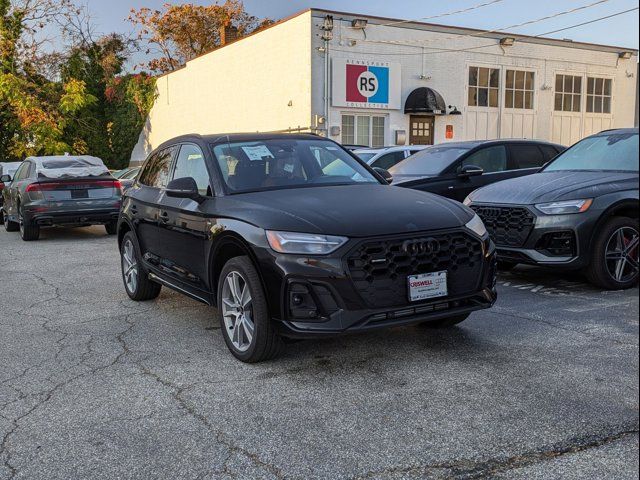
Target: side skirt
[[177, 288]]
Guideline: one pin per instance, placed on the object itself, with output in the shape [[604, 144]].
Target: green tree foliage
[[35, 110], [129, 99]]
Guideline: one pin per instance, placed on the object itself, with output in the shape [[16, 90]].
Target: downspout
[[326, 85]]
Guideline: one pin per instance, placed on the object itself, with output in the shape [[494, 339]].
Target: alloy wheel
[[622, 254], [129, 266], [237, 311]]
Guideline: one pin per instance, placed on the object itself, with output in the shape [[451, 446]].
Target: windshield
[[617, 152], [365, 156], [430, 161], [287, 163]]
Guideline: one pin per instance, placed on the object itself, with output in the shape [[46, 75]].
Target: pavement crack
[[177, 394], [469, 469]]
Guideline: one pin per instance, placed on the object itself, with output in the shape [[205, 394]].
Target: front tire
[[136, 281], [446, 322], [614, 258], [10, 226], [244, 315], [505, 266], [111, 228]]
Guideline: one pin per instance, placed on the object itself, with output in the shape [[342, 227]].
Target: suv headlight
[[467, 201], [565, 207], [476, 226], [304, 243]]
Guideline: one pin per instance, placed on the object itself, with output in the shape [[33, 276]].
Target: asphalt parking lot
[[92, 385]]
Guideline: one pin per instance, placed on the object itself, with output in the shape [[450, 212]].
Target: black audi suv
[[580, 212], [455, 169], [255, 225]]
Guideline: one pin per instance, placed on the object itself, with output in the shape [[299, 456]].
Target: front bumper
[[553, 240], [339, 305]]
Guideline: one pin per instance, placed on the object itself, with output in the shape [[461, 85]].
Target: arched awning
[[425, 100]]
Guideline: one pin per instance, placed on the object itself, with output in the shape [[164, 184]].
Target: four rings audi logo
[[421, 245]]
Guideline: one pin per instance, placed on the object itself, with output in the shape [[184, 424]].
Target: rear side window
[[549, 152], [490, 159], [388, 160], [190, 163], [22, 171], [527, 156], [156, 171]]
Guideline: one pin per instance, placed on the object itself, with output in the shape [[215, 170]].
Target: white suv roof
[[378, 152]]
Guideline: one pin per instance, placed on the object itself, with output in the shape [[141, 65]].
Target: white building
[[378, 81]]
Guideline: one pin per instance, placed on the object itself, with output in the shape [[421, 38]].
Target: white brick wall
[[246, 86]]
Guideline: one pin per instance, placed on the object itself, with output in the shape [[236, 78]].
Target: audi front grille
[[507, 226], [379, 268]]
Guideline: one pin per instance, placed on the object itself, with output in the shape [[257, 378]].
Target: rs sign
[[369, 84]]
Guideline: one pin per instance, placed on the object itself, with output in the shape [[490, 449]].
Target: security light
[[507, 41], [359, 23], [625, 55]]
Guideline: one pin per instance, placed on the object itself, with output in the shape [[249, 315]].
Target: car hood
[[554, 186], [406, 180], [352, 211]]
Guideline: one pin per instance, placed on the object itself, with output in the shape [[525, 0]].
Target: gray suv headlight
[[565, 207]]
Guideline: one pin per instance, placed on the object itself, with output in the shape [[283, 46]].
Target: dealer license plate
[[427, 285]]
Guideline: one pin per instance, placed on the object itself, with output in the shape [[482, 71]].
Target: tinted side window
[[156, 171], [388, 160], [526, 156], [490, 159], [190, 163], [549, 152]]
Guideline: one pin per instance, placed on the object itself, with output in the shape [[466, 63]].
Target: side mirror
[[384, 174], [5, 179], [470, 171], [185, 187]]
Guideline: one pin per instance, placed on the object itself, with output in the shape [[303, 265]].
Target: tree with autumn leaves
[[80, 99], [178, 33]]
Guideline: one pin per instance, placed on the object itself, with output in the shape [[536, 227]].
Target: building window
[[348, 129], [484, 84], [598, 95], [568, 93], [519, 89], [363, 130]]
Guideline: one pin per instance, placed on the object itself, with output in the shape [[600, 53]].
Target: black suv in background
[[456, 169], [579, 212], [259, 226]]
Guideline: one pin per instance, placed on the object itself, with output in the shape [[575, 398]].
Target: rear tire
[[111, 228], [29, 231], [136, 280], [446, 322], [616, 235], [245, 321], [10, 226]]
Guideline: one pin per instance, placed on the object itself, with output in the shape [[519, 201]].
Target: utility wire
[[444, 50], [500, 30], [446, 14], [588, 22]]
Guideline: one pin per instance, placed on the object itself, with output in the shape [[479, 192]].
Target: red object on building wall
[[449, 132], [353, 72]]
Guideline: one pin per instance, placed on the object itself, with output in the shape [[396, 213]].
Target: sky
[[110, 15]]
